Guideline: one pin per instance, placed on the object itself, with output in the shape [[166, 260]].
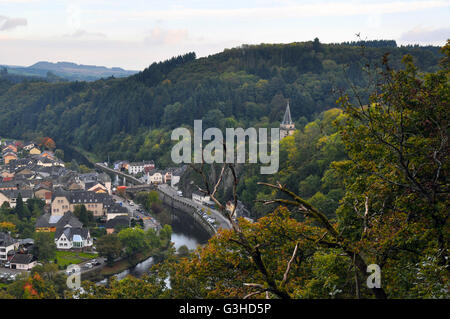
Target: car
[[7, 264]]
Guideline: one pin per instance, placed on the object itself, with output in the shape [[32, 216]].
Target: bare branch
[[288, 268]]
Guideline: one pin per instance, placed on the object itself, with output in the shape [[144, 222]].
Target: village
[[33, 176]]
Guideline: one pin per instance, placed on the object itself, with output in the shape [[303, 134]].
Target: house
[[115, 210], [6, 174], [155, 177], [48, 154], [9, 156], [23, 261], [25, 172], [8, 184], [10, 148], [26, 245], [35, 151], [140, 167], [121, 166], [11, 196], [69, 231], [167, 177], [95, 187], [8, 246], [43, 192], [105, 180], [118, 221], [49, 162], [64, 201], [49, 223], [72, 238], [29, 146], [200, 198]]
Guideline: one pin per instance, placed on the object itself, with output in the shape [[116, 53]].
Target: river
[[183, 233]]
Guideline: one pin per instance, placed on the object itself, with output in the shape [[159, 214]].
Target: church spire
[[287, 116]]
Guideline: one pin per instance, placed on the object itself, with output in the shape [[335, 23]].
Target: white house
[[23, 261], [138, 167], [7, 245], [29, 146], [155, 178], [10, 196], [72, 238]]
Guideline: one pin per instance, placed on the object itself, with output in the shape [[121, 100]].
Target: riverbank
[[118, 266], [121, 265]]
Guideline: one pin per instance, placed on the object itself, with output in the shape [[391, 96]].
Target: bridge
[[126, 177], [170, 197]]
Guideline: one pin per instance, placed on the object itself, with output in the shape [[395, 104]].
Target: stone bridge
[[132, 180]]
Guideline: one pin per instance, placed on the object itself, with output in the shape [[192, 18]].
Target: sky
[[132, 34]]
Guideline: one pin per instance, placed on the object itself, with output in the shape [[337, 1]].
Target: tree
[[397, 177], [21, 210], [133, 240], [85, 216], [48, 143], [50, 273], [59, 153], [150, 200], [44, 246], [183, 251], [7, 227], [33, 287], [109, 246]]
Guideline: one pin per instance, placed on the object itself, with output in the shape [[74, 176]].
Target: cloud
[[84, 34], [426, 35], [159, 36], [342, 8], [7, 23]]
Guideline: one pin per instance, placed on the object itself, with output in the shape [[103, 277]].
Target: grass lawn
[[66, 258], [3, 285]]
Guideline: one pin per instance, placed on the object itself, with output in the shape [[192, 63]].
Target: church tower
[[287, 127]]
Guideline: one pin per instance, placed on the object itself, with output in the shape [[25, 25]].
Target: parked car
[[7, 264]]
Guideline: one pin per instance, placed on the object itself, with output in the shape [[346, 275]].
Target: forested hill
[[245, 86]]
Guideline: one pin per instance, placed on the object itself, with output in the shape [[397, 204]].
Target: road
[[149, 222], [221, 221]]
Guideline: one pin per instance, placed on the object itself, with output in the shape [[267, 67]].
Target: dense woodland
[[362, 181], [246, 86]]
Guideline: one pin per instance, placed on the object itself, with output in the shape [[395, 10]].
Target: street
[[221, 221], [149, 222]]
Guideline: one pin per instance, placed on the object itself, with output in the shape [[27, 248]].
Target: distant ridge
[[69, 71]]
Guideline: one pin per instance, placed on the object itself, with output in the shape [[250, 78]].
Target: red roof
[[7, 179]]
